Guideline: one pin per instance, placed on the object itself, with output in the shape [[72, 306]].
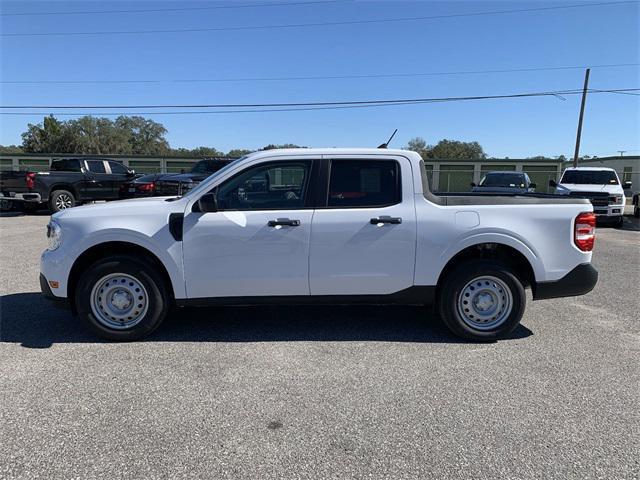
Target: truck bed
[[478, 198]]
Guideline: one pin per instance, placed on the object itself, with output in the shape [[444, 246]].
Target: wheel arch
[[501, 252], [63, 186], [110, 248]]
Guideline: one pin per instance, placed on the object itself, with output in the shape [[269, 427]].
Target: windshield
[[204, 182], [503, 180], [590, 177]]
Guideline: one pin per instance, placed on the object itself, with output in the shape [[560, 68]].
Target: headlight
[[619, 199], [54, 234]]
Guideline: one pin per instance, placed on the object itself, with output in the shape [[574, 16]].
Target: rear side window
[[96, 166], [67, 165], [364, 183]]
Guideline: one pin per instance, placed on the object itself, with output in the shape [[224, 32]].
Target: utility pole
[[622, 152], [584, 100]]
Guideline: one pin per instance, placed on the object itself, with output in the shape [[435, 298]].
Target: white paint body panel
[[350, 256], [235, 254], [332, 252]]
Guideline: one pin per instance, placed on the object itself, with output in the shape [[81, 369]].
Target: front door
[[119, 175], [363, 240], [257, 243]]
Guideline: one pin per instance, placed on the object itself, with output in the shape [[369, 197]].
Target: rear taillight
[[584, 233], [147, 187], [30, 180]]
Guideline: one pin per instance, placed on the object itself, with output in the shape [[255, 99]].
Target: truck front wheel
[[122, 298], [61, 200], [482, 300]]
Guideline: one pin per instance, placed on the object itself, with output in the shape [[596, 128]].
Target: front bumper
[[609, 211], [21, 197], [58, 302], [578, 281]]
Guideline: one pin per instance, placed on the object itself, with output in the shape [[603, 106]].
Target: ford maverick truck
[[319, 226]]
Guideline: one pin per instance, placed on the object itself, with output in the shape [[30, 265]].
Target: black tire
[[61, 200], [140, 270], [6, 205], [451, 292], [619, 222]]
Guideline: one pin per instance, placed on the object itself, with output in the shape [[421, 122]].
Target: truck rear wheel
[[482, 300], [121, 298], [61, 200]]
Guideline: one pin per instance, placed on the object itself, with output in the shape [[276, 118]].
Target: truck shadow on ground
[[28, 319]]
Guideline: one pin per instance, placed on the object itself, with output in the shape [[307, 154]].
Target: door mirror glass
[[552, 183], [532, 185], [131, 173], [473, 184], [208, 203]]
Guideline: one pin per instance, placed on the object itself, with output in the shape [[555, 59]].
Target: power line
[[288, 107], [321, 24], [317, 77], [176, 9]]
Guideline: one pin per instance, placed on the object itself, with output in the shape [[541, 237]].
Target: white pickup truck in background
[[600, 185], [333, 226]]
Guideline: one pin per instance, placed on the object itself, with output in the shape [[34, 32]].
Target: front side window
[[118, 168], [364, 183], [96, 166], [277, 186]]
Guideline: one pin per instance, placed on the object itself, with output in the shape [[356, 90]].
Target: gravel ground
[[331, 392]]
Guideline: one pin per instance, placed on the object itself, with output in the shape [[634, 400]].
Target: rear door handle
[[284, 221], [386, 219]]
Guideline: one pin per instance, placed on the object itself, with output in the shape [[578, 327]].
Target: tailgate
[[13, 182]]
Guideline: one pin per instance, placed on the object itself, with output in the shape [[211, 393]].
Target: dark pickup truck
[[180, 183], [70, 182]]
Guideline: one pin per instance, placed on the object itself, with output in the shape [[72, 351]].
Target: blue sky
[[515, 128]]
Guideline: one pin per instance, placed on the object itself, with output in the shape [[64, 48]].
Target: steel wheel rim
[[485, 303], [119, 301], [63, 201]]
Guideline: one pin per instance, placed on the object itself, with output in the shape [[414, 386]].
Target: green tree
[[456, 150], [419, 145], [51, 135], [145, 136], [11, 149], [238, 152], [271, 146]]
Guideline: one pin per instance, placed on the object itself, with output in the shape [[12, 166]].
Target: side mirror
[[552, 183], [131, 173], [208, 203], [473, 184], [627, 185], [532, 185]]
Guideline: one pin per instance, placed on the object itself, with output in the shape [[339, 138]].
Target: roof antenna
[[386, 144]]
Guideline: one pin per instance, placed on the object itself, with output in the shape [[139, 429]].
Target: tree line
[[134, 135]]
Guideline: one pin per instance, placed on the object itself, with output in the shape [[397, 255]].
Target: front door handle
[[284, 221], [386, 219]]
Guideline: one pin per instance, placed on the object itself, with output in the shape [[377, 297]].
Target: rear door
[[363, 238]]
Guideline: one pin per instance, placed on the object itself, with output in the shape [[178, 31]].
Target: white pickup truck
[[335, 226], [600, 185]]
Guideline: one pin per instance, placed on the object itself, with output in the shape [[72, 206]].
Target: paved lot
[[375, 392]]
